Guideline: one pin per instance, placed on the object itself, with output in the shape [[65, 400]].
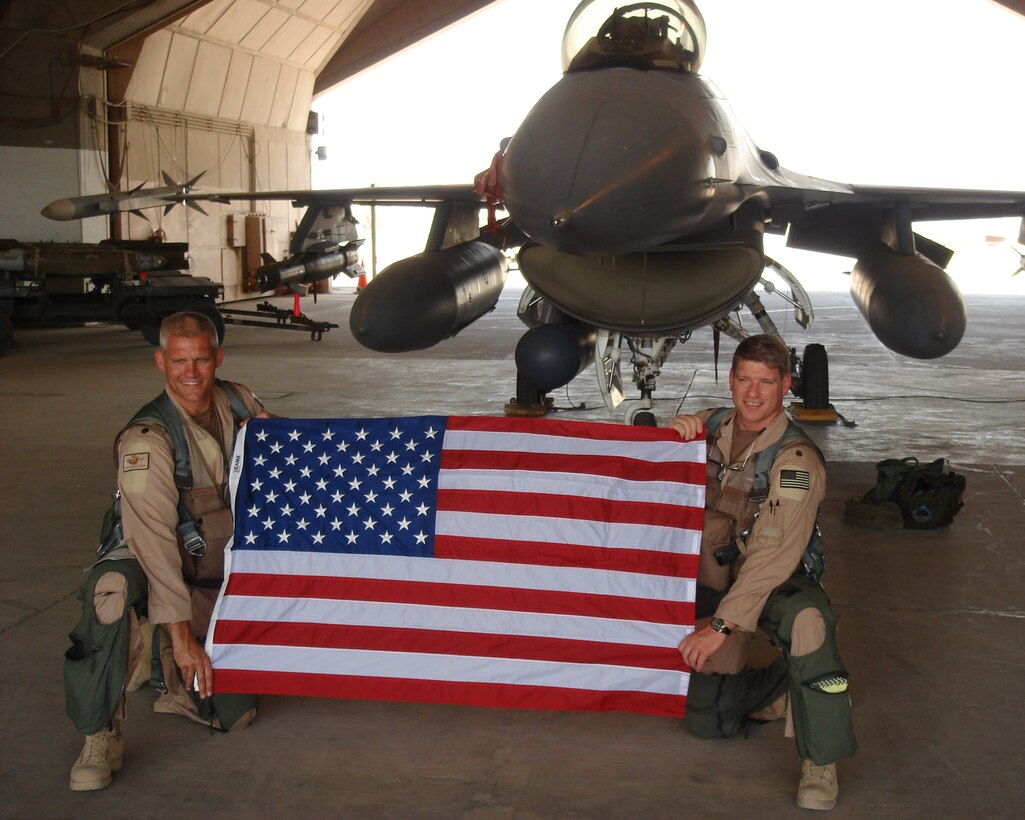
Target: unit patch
[[794, 480], [135, 461]]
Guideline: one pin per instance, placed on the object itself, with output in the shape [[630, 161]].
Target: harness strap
[[764, 459], [813, 559], [156, 668], [163, 412]]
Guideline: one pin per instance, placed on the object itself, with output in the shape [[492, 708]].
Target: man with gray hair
[[163, 565]]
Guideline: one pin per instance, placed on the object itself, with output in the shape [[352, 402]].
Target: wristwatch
[[719, 625]]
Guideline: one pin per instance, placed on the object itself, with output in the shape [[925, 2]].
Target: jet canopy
[[603, 33]]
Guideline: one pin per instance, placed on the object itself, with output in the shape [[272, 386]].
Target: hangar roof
[[333, 39]]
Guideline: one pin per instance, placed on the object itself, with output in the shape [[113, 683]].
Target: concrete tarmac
[[932, 623]]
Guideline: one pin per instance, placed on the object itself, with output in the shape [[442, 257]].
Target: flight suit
[[763, 590], [154, 576]]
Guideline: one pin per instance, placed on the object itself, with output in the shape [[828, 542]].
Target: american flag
[[487, 561]]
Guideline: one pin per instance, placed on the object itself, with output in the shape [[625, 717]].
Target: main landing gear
[[647, 355]]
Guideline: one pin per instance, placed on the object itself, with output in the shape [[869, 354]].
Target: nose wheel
[[646, 355]]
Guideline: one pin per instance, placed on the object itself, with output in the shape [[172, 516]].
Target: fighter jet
[[639, 206]]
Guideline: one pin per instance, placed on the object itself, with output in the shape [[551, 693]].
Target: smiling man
[[758, 577], [162, 565]]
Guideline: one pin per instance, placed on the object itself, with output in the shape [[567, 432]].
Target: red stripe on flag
[[632, 469], [541, 553], [460, 596], [426, 691], [570, 506], [433, 642], [595, 431]]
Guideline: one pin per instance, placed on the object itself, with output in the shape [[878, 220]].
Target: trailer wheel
[[150, 331], [6, 332]]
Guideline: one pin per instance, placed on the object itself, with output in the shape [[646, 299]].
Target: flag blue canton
[[366, 486]]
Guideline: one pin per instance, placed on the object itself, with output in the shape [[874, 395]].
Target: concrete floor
[[933, 623]]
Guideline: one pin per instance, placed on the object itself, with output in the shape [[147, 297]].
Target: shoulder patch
[[794, 479], [134, 461]]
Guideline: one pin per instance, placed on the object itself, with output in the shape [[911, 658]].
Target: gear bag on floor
[[910, 495]]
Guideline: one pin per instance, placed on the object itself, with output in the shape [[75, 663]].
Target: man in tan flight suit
[[755, 584], [153, 573]]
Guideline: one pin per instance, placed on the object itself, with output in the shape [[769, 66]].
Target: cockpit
[[603, 33]]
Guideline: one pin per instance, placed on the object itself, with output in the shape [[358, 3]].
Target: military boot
[[100, 757], [818, 789]]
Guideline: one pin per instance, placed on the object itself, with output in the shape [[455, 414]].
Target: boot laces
[[817, 774], [96, 749]]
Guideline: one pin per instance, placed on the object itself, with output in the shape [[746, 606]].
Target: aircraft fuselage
[[628, 180], [616, 160]]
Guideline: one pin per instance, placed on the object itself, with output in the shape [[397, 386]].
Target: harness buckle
[[192, 541]]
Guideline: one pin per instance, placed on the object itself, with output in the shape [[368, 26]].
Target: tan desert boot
[[101, 755], [818, 789]]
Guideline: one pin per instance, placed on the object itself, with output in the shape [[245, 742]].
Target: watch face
[[719, 625]]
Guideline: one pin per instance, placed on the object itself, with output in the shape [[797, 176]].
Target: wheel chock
[[825, 415]]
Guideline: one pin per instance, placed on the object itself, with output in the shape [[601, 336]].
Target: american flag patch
[[794, 479]]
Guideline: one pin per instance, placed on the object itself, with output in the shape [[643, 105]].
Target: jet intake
[[912, 306], [645, 293], [416, 302]]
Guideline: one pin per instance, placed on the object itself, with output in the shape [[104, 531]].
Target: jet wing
[[403, 195], [840, 218], [925, 204]]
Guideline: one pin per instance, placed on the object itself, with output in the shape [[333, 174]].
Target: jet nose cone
[[610, 161], [61, 210]]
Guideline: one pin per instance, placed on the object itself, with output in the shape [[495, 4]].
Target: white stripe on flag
[[567, 531], [450, 619], [468, 573], [577, 484], [653, 451]]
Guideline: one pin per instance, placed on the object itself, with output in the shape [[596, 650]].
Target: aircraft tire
[[644, 418], [815, 378], [6, 333]]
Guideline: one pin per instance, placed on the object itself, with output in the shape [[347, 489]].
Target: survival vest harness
[[161, 411], [813, 562]]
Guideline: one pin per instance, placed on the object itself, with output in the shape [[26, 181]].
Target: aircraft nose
[[610, 161]]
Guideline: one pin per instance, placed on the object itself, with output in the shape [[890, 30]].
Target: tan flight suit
[[777, 538], [149, 511], [761, 591], [173, 585], [181, 587]]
